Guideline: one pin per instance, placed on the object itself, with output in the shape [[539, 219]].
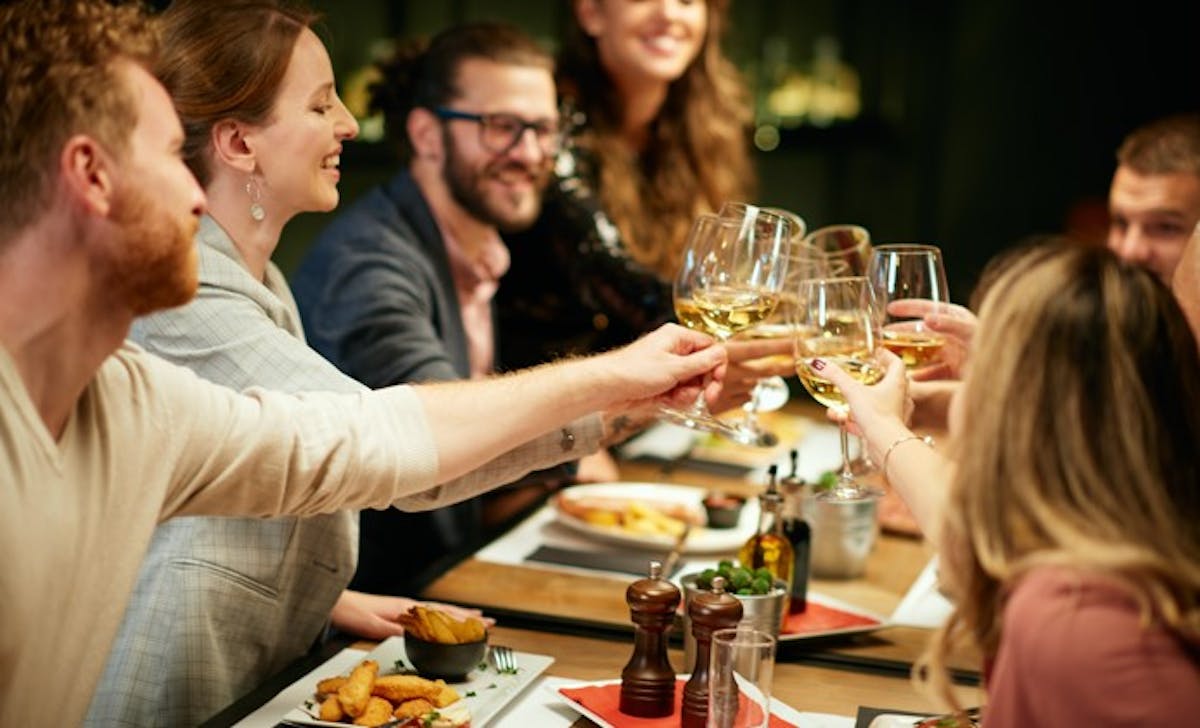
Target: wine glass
[[729, 280], [769, 393], [847, 251], [905, 272], [835, 319], [845, 247]]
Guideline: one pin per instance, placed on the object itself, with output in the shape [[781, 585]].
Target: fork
[[504, 659]]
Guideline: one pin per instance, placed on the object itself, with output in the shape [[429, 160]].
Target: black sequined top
[[573, 287]]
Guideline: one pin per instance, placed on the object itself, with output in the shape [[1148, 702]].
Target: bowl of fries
[[441, 646]]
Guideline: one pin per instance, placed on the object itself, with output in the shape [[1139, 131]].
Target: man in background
[[1154, 201], [399, 287]]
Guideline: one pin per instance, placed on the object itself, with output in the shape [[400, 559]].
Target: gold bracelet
[[900, 441]]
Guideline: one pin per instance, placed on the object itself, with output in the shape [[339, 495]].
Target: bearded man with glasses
[[399, 287]]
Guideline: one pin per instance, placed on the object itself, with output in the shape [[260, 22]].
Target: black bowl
[[723, 511], [447, 661]]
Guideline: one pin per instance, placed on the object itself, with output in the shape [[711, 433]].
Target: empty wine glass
[[769, 393], [847, 248], [909, 273], [729, 280], [835, 319]]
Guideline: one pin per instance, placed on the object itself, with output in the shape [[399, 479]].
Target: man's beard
[[465, 185], [153, 265]]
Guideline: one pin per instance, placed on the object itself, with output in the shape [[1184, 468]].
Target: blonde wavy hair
[[1078, 449], [697, 155]]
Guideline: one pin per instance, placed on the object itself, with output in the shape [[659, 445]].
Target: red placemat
[[605, 701], [820, 618]]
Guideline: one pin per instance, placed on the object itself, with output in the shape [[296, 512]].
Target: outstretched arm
[[473, 421]]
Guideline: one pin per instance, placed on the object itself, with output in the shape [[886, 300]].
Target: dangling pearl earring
[[256, 209]]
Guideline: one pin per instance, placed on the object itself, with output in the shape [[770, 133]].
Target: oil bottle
[[769, 548]]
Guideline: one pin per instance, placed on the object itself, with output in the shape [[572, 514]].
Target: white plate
[[700, 541], [484, 692], [778, 709]]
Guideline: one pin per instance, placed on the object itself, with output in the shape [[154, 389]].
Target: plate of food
[[650, 516], [385, 675]]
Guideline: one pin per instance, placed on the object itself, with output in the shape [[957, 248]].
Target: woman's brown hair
[[1078, 448], [225, 60], [697, 156]]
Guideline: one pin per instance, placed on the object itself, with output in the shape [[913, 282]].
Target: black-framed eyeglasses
[[499, 133]]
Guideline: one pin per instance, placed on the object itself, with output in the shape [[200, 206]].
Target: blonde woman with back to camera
[[1069, 502]]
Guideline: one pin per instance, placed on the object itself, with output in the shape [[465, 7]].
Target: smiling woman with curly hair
[[657, 123]]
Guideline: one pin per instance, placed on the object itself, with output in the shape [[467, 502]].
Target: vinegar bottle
[[769, 548], [799, 535]]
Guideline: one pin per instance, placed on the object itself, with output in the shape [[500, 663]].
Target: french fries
[[639, 517], [366, 698], [433, 625]]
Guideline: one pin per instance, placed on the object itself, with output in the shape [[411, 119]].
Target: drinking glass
[[847, 251], [836, 320], [847, 248], [769, 393], [729, 280], [741, 669], [904, 272]]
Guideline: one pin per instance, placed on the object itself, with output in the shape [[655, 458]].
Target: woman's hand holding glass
[[872, 410], [955, 324]]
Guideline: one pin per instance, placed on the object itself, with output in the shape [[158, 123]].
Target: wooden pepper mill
[[709, 611], [648, 681]]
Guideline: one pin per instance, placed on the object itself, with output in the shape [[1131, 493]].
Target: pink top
[[1073, 652], [476, 278]]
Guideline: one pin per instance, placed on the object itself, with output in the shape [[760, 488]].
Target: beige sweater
[[148, 441]]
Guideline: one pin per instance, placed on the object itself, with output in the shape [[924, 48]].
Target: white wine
[[823, 390], [727, 311], [773, 331], [688, 314], [916, 348], [848, 353]]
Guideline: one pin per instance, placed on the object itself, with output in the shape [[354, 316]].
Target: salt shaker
[[708, 611], [648, 680]]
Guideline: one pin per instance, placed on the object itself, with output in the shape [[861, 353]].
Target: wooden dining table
[[553, 599], [581, 619]]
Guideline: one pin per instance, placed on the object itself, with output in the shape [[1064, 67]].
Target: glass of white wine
[[729, 280], [908, 273], [836, 320], [770, 393]]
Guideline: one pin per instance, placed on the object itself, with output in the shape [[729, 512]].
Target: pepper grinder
[[709, 611], [648, 680]]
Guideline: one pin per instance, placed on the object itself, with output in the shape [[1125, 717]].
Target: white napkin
[[923, 605]]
